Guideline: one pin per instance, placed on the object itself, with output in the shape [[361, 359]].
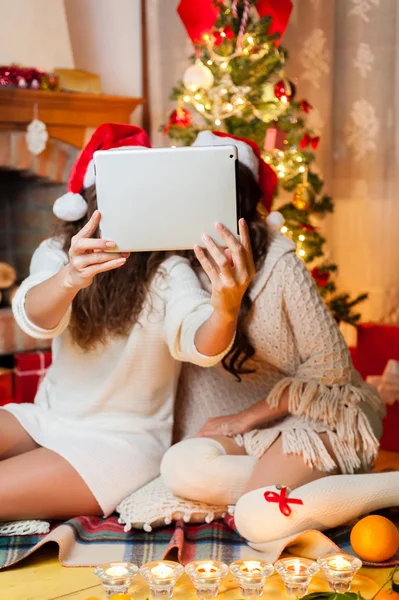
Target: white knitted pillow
[[154, 505]]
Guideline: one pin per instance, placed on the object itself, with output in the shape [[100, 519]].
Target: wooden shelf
[[66, 115]]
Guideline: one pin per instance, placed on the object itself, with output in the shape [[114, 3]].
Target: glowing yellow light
[[284, 229], [209, 62], [302, 238], [280, 153], [281, 174], [201, 107], [218, 122], [299, 159], [186, 98], [267, 159], [284, 99], [240, 101], [206, 37], [227, 11], [250, 39], [197, 96], [223, 91], [301, 252], [173, 146], [223, 65], [245, 51], [222, 34], [229, 106], [280, 167], [301, 169]]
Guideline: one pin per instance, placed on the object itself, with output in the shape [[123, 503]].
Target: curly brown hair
[[111, 305]]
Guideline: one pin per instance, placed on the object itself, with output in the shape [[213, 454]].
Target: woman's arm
[[230, 272], [46, 303], [257, 416]]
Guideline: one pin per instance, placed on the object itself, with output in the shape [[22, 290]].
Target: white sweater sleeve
[[48, 259], [187, 307]]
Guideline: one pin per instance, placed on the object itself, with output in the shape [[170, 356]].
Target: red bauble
[[321, 277], [308, 227], [199, 17], [279, 11], [181, 117], [281, 89]]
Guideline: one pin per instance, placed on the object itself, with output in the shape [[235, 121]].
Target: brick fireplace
[[29, 184]]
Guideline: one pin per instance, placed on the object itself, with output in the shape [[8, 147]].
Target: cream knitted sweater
[[300, 348]]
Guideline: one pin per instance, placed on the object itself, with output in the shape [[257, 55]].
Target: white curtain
[[344, 57]]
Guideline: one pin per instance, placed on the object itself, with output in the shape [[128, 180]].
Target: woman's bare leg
[[13, 438], [289, 470], [40, 484]]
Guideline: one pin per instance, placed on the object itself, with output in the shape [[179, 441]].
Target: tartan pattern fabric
[[88, 541]]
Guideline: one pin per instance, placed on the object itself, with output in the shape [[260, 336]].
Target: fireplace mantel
[[69, 117]]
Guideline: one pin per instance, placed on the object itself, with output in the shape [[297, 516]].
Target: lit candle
[[206, 569], [206, 577], [251, 566], [117, 571], [162, 571], [251, 576], [339, 570], [296, 574], [340, 563]]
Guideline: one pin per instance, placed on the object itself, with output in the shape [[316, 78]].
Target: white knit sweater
[[298, 347]]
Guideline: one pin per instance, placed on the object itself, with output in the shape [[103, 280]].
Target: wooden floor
[[41, 577]]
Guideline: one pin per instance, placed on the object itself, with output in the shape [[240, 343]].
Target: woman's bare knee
[[14, 439]]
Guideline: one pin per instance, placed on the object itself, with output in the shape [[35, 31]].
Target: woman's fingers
[[246, 244], [90, 227], [83, 245], [219, 258], [86, 260], [207, 265], [237, 250], [107, 266]]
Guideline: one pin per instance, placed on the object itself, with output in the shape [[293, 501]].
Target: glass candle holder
[[161, 576], [206, 576], [116, 577], [339, 570], [251, 576], [296, 574]]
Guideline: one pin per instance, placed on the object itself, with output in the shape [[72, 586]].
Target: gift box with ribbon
[[30, 368]]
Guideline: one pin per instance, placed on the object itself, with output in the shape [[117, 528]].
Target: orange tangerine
[[375, 538]]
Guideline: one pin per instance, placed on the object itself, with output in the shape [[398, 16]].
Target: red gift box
[[6, 386], [30, 368], [376, 345]]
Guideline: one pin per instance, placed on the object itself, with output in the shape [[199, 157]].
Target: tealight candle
[[251, 576], [296, 574], [116, 577], [161, 577], [206, 577], [339, 570]]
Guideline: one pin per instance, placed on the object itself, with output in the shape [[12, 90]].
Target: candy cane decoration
[[244, 21]]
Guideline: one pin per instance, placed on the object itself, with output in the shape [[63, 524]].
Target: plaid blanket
[[89, 541]]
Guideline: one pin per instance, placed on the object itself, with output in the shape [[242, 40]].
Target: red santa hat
[[249, 155], [72, 206]]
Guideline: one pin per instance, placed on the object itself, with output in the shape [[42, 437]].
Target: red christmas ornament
[[309, 140], [181, 117], [305, 106], [321, 277], [219, 37], [308, 227], [198, 17], [279, 11], [281, 89]]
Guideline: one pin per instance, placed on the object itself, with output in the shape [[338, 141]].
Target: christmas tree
[[237, 84]]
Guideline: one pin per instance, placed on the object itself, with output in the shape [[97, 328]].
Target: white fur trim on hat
[[90, 176], [245, 153], [275, 219], [70, 207]]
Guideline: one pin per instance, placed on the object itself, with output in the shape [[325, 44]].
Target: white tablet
[[165, 198]]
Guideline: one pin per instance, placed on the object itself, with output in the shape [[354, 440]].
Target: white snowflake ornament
[[36, 137], [315, 57]]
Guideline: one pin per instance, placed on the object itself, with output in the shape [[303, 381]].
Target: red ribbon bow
[[308, 139], [305, 106], [218, 37], [282, 500]]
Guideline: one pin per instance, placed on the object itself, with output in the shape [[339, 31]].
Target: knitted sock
[[327, 502], [199, 469]]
